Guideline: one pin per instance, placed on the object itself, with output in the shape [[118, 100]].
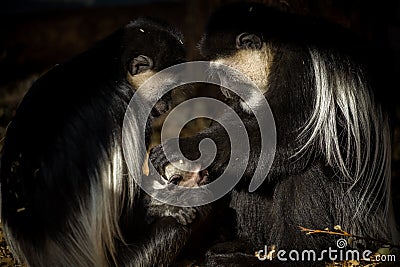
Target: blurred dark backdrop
[[37, 34]]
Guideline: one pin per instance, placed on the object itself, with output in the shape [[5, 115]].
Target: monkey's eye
[[175, 179]]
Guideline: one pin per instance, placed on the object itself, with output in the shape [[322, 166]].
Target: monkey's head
[[149, 46], [235, 36], [253, 38]]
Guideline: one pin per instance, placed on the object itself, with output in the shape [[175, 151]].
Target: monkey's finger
[[158, 159], [189, 214], [180, 218], [192, 213]]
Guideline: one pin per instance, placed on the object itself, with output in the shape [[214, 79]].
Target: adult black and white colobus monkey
[[67, 196], [332, 164]]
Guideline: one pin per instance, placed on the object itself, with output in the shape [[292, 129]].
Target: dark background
[[37, 34]]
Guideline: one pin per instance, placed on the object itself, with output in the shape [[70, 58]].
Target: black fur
[[305, 189], [64, 136]]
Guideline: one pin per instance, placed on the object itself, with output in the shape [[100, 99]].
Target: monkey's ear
[[140, 64], [248, 41]]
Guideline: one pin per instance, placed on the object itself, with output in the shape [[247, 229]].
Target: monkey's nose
[[175, 179]]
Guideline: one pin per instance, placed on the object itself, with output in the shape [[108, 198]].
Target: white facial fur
[[255, 64]]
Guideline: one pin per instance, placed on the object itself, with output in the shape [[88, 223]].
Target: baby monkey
[[176, 176]]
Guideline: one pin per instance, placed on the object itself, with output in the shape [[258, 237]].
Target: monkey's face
[[250, 56], [234, 38], [251, 59], [194, 178], [153, 49]]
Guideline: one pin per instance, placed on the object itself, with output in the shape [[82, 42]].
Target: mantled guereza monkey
[[332, 162], [67, 196]]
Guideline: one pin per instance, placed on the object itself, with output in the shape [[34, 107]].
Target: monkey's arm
[[164, 241], [160, 248], [155, 210]]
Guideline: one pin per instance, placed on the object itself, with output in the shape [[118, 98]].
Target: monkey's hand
[[157, 210], [187, 146], [183, 215], [188, 149]]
